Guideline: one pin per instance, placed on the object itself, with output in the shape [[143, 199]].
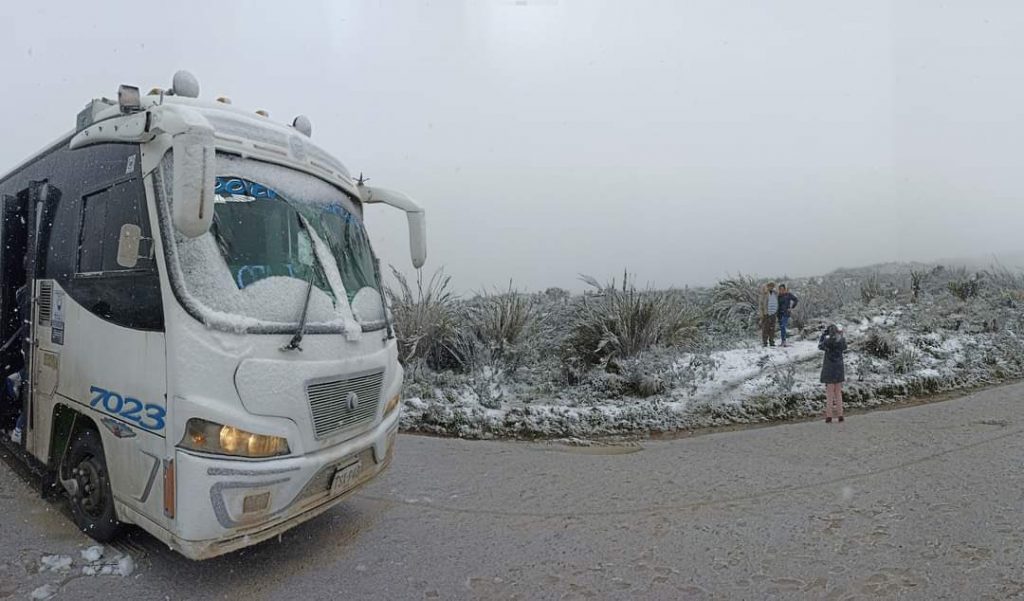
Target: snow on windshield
[[275, 300]]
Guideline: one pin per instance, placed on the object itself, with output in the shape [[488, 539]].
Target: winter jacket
[[832, 369], [769, 304], [787, 302]]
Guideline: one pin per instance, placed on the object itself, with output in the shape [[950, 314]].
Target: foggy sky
[[682, 140]]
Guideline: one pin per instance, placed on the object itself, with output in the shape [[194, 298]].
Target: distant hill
[[1013, 261], [1010, 260]]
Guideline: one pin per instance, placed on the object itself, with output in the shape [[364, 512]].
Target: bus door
[[13, 276], [47, 323]]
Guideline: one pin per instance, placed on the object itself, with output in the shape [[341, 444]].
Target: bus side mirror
[[413, 211], [417, 238], [128, 245], [193, 181]]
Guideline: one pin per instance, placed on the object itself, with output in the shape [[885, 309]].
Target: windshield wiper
[[293, 344]]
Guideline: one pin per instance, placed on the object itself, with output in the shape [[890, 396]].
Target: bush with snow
[[622, 361], [615, 324], [881, 344]]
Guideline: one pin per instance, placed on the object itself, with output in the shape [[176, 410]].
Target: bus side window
[[103, 214], [129, 297]]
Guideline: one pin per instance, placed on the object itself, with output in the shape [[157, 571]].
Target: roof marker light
[[262, 113], [185, 84], [303, 125], [223, 100]]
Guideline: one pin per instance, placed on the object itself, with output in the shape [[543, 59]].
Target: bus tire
[[92, 506]]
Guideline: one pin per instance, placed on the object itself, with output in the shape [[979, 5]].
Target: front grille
[[330, 402], [45, 303]]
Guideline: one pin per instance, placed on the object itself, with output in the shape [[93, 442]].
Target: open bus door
[[13, 276], [25, 225], [42, 362]]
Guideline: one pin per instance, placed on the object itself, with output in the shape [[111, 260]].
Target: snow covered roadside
[[744, 384]]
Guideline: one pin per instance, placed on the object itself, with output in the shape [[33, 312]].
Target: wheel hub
[[90, 478]]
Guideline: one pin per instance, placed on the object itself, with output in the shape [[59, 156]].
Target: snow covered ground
[[895, 352]]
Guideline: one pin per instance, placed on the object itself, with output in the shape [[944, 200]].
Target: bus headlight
[[392, 403], [210, 437]]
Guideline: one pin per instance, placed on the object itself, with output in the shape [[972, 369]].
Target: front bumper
[[225, 504]]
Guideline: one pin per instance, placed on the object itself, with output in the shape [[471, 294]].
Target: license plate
[[345, 478]]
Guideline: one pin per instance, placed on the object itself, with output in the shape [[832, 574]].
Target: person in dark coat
[[787, 302], [833, 372]]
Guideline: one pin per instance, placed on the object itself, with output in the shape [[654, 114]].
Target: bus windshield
[[276, 234]]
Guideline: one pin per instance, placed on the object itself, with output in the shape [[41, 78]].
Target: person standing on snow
[[833, 372], [787, 302], [768, 307]]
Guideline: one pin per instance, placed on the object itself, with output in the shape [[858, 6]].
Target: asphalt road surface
[[924, 502]]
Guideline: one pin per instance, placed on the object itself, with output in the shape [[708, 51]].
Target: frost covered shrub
[[638, 382], [917, 281], [783, 377], [735, 301], [507, 326], [964, 289], [701, 367], [504, 318], [556, 294], [870, 289], [486, 386], [864, 366], [1004, 280], [880, 344], [618, 323], [905, 360], [818, 300], [430, 324]]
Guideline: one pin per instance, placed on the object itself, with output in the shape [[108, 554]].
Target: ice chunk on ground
[[54, 563], [125, 566], [93, 553], [45, 592]]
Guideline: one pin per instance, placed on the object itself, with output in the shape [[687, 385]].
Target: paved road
[[925, 502]]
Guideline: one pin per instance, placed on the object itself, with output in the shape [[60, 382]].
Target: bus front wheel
[[92, 505]]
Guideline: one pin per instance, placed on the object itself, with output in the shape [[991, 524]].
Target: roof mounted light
[[129, 99], [262, 113], [223, 100], [303, 125], [185, 84]]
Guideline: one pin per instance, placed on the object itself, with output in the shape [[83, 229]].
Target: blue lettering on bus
[[146, 415], [235, 186]]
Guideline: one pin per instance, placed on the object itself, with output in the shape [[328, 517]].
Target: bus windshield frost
[[276, 235]]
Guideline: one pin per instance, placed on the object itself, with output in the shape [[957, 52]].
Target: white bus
[[196, 315]]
